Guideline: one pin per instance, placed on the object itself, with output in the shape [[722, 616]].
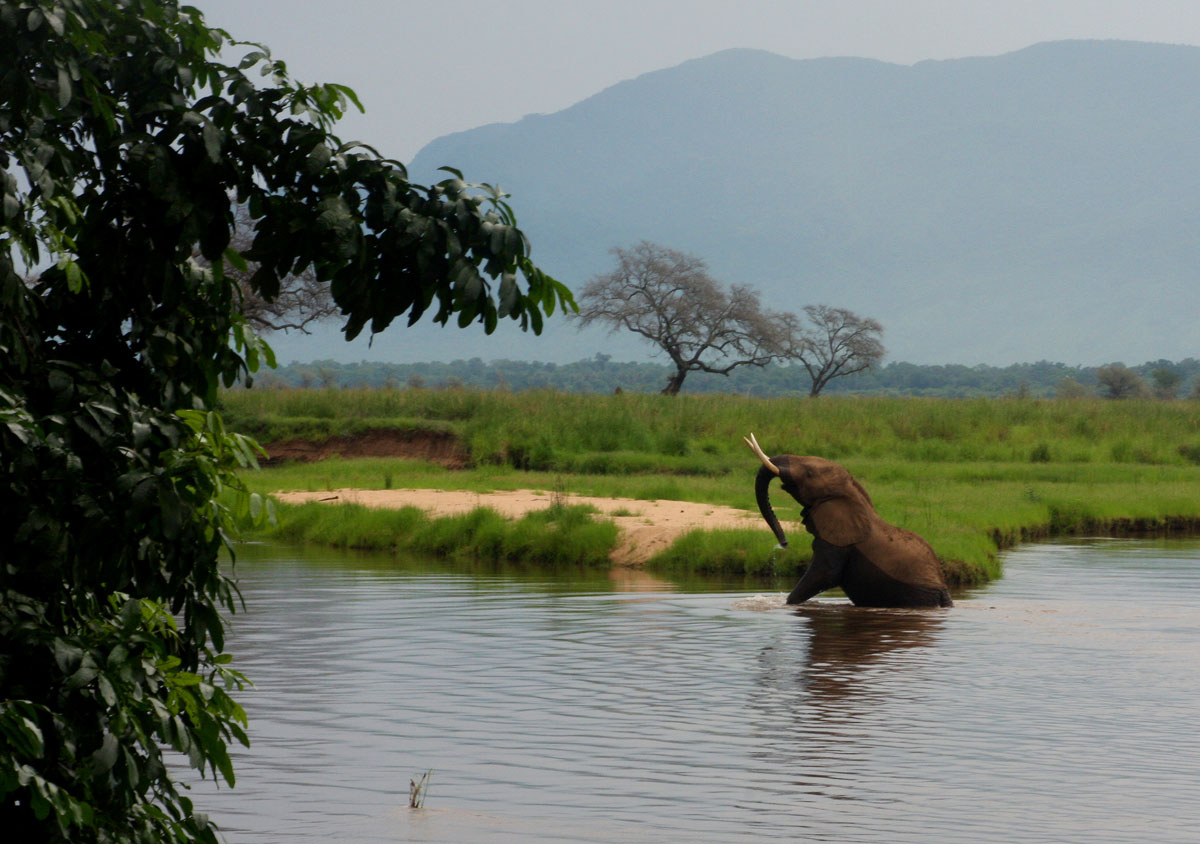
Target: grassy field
[[971, 475]]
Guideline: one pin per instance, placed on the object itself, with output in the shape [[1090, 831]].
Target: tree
[[122, 139], [668, 298], [838, 343], [1071, 388], [1117, 381], [1166, 383]]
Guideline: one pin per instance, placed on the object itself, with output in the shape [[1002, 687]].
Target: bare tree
[[301, 301], [838, 343], [668, 298]]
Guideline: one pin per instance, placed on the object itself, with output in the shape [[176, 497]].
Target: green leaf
[[75, 277], [107, 693], [251, 59], [67, 656], [19, 727], [474, 287], [104, 758], [83, 675], [235, 259], [64, 87], [509, 294], [212, 141], [350, 95], [318, 158]]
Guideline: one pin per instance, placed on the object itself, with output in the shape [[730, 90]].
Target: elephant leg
[[824, 571]]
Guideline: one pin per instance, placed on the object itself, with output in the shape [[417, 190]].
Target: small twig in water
[[418, 789]]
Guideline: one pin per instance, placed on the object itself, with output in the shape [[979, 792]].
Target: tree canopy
[[602, 374], [1117, 381], [124, 146]]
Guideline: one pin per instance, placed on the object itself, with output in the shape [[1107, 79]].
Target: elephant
[[876, 564]]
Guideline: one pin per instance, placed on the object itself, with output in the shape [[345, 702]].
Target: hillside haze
[[1042, 204]]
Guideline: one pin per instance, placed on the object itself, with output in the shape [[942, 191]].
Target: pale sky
[[426, 68]]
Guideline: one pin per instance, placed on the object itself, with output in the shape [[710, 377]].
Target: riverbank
[[972, 477], [646, 529], [968, 512]]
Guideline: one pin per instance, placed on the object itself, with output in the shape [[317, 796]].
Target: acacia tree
[[668, 298], [837, 343], [122, 138]]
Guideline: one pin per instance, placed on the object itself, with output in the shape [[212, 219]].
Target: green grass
[[753, 552], [970, 475], [556, 535], [637, 432]]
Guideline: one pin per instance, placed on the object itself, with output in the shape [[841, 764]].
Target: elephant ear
[[840, 521]]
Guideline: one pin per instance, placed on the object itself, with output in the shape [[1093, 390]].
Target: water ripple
[[1056, 705]]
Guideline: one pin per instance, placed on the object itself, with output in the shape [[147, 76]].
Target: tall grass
[[556, 535], [637, 432], [748, 551]]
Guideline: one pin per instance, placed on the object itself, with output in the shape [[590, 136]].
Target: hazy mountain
[[1039, 204]]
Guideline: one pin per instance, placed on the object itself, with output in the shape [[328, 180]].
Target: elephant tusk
[[753, 443]]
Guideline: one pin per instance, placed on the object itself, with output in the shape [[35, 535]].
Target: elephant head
[[836, 507]]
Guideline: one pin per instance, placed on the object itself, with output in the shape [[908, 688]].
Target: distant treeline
[[600, 374]]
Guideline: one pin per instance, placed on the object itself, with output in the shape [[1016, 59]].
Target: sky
[[428, 68]]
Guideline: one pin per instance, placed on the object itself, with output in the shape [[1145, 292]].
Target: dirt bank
[[647, 527], [439, 447]]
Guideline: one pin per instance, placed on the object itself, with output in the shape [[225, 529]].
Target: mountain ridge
[[1038, 204]]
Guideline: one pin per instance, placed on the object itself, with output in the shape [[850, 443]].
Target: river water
[[1059, 704]]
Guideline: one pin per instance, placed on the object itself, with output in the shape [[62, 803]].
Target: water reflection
[[832, 658], [836, 686]]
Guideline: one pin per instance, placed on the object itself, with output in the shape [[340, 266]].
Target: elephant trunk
[[761, 482]]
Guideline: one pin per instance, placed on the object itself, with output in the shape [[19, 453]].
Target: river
[[1058, 704]]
